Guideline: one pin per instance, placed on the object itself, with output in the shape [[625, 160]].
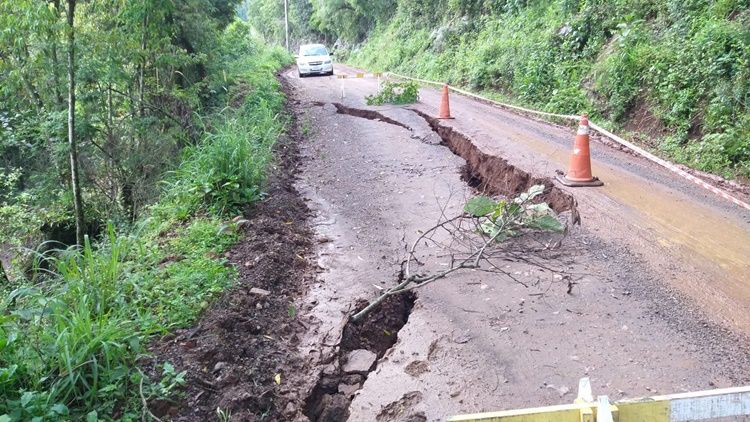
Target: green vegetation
[[674, 73], [167, 172], [395, 93], [672, 68], [503, 219]]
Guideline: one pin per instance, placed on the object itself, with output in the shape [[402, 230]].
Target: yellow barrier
[[360, 75], [697, 406]]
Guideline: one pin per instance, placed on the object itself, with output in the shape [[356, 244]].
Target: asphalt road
[[663, 268]]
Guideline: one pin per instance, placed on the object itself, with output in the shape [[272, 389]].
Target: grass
[[72, 335]]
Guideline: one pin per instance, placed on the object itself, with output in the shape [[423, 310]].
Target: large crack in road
[[330, 398], [473, 343]]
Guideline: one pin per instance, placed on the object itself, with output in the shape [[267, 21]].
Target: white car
[[314, 59]]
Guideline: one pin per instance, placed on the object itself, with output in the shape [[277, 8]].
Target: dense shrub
[[72, 333]]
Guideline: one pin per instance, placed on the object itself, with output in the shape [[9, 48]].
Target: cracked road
[[664, 267]]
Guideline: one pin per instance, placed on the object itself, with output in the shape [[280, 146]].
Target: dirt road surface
[[663, 268]]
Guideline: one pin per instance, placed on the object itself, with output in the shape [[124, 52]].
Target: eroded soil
[[250, 335]]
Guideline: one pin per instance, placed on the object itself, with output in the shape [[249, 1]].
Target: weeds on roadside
[[678, 73], [395, 93]]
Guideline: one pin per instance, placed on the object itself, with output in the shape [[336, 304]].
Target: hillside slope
[[675, 74]]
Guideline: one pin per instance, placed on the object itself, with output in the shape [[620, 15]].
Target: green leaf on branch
[[501, 220], [529, 195], [480, 206], [547, 223], [395, 93]]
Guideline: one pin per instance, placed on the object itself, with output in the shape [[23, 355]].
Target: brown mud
[[240, 344], [493, 175]]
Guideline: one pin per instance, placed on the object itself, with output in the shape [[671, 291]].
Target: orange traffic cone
[[579, 171], [445, 107]]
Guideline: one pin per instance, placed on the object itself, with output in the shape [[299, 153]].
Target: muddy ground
[[352, 187]]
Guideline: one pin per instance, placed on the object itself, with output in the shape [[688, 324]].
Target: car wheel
[[300, 75], [330, 73]]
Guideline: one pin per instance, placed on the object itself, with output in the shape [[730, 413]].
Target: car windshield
[[316, 50]]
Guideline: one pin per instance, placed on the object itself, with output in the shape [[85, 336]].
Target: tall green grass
[[72, 334], [228, 169]]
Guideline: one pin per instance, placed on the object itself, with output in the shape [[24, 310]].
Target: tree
[[75, 182], [137, 74], [3, 275]]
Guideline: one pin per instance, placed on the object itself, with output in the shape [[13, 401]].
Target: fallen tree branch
[[484, 233]]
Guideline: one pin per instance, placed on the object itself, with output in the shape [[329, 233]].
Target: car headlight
[[327, 62]]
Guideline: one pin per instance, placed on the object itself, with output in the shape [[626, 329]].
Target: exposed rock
[[360, 360], [259, 291], [348, 389]]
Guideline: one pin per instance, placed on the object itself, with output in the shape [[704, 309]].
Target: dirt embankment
[[493, 175], [234, 353]]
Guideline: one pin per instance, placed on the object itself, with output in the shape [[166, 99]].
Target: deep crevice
[[372, 337], [493, 175], [368, 114], [331, 397], [488, 174]]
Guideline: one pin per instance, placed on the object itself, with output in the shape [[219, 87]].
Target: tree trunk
[[286, 24], [142, 70], [33, 93], [72, 144], [56, 62], [23, 59], [3, 275]]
